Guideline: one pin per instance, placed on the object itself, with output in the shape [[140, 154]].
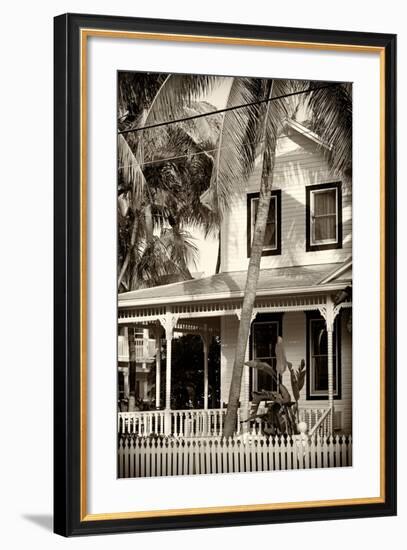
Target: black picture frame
[[69, 518]]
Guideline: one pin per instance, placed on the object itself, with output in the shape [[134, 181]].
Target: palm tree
[[264, 123], [154, 195]]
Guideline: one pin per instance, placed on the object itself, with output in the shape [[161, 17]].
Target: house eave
[[337, 272], [222, 296]]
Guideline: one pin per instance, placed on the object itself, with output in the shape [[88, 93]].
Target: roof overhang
[[222, 296]]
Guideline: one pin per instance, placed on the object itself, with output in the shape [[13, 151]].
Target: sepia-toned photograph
[[234, 274]]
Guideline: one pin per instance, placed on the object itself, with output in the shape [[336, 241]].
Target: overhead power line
[[203, 152], [226, 109]]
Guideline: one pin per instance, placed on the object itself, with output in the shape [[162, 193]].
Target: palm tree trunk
[[218, 259], [253, 273]]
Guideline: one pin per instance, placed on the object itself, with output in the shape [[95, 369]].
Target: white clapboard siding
[[149, 457], [229, 328], [294, 335], [295, 340], [296, 167]]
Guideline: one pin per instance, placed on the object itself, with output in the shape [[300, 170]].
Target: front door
[[264, 338]]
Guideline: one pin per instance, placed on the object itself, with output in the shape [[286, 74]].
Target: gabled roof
[[301, 129], [277, 281]]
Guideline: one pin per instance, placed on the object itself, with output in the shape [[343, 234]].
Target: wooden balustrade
[[322, 427], [316, 419], [141, 423], [198, 423], [145, 348], [208, 422], [184, 423]]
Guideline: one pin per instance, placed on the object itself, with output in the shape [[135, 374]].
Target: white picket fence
[[149, 457]]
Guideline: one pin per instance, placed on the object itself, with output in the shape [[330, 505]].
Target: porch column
[[157, 367], [126, 372], [132, 358], [168, 322], [205, 341], [126, 382], [329, 331], [329, 312]]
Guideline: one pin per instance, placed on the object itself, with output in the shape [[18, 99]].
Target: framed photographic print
[[225, 274]]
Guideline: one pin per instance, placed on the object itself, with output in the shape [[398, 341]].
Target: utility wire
[[203, 152], [226, 109]]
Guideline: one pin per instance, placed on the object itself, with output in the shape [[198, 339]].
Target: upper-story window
[[272, 237], [324, 216]]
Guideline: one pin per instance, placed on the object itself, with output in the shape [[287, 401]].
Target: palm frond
[[332, 116], [181, 249], [276, 112], [129, 167], [161, 259], [136, 91], [177, 92], [235, 155]]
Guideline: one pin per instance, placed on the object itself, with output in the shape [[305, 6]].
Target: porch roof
[[275, 281]]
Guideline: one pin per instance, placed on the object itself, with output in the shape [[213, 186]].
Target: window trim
[[276, 195], [316, 316], [310, 189]]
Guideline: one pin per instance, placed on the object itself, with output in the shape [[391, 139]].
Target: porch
[[205, 308]]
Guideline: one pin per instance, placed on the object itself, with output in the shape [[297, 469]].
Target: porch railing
[[197, 423], [141, 423], [184, 423], [206, 422], [322, 426], [316, 419]]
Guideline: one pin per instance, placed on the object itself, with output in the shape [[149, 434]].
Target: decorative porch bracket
[[329, 311], [168, 322]]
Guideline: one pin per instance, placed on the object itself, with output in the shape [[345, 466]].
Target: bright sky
[[208, 253], [218, 97]]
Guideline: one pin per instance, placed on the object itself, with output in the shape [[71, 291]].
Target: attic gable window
[[324, 216], [272, 237]]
